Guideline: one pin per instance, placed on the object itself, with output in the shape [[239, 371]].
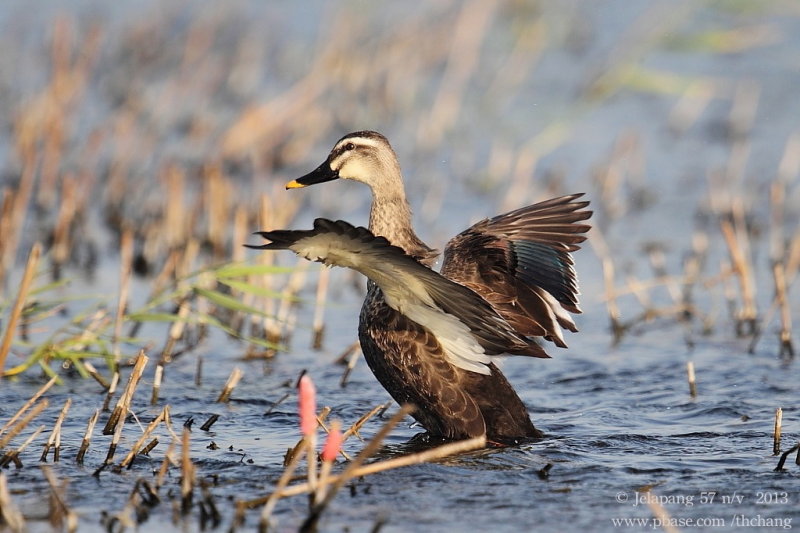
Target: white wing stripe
[[402, 292]]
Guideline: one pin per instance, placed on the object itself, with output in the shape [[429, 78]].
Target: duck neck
[[390, 217]]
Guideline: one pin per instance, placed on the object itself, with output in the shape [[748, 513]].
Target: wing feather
[[467, 326], [521, 263]]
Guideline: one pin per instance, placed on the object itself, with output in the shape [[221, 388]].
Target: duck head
[[364, 156]]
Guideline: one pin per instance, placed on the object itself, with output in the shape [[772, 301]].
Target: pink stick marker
[[332, 445], [308, 406]]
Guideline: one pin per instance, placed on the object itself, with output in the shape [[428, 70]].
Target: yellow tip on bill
[[294, 184]]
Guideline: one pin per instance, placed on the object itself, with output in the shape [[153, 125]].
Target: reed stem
[[19, 304], [776, 435], [692, 384]]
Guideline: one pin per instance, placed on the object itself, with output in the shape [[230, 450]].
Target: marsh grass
[[91, 335]]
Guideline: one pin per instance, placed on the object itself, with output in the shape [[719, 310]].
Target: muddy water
[[618, 417]]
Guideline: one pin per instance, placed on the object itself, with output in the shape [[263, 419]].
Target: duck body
[[407, 359], [503, 282]]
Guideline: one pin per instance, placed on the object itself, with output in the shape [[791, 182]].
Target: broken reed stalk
[[440, 452], [319, 310], [55, 436], [150, 445], [233, 380], [277, 403], [124, 401], [164, 277], [19, 304], [9, 512], [96, 375], [175, 331], [344, 356], [128, 460], [112, 448], [13, 456], [600, 247], [726, 274], [781, 259], [58, 498], [66, 215], [14, 430], [777, 193], [125, 518], [125, 266], [198, 372], [175, 218], [776, 434], [692, 383], [28, 404], [168, 426], [162, 471], [786, 348], [187, 473], [658, 262], [747, 313], [617, 328], [217, 201], [157, 383], [112, 388], [322, 416], [353, 430], [210, 422], [18, 208], [643, 296], [693, 266], [240, 231], [349, 357], [87, 437]]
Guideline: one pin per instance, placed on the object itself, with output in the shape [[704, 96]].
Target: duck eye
[[349, 146]]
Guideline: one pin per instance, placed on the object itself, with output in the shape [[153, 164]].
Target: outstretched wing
[[468, 328], [521, 263]]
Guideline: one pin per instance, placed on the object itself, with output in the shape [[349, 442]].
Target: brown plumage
[[518, 269]]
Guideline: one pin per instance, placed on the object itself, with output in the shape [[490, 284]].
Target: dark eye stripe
[[362, 149]]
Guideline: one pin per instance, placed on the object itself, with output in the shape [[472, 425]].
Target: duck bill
[[321, 174]]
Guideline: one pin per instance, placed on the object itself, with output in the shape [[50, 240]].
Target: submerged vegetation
[[211, 298], [142, 148]]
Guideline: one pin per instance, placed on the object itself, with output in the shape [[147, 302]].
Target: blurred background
[[143, 141], [126, 108]]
